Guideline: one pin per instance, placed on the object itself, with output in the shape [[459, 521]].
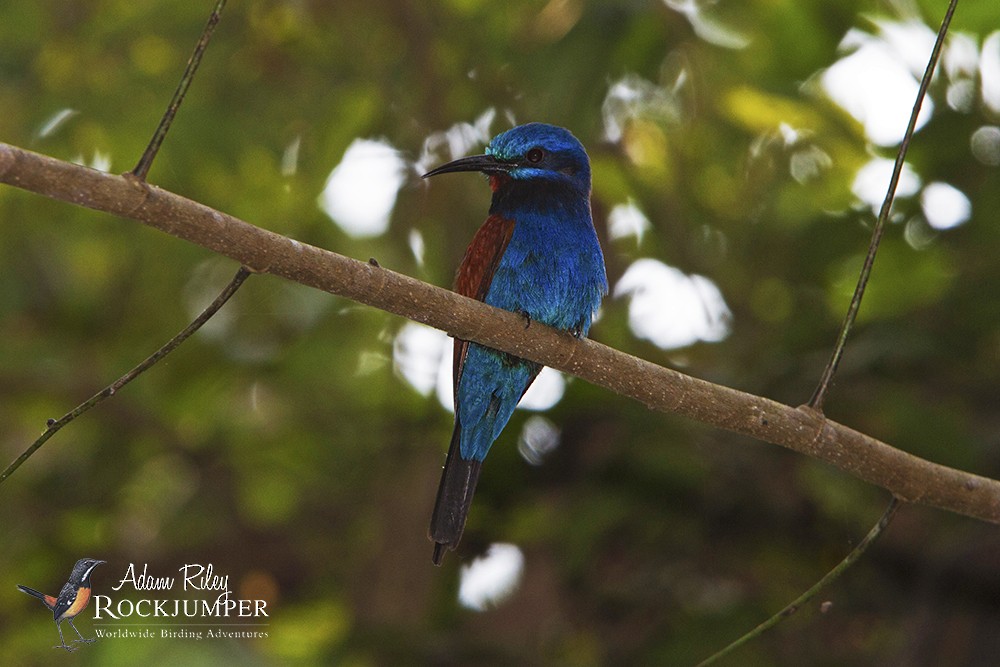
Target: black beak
[[486, 164]]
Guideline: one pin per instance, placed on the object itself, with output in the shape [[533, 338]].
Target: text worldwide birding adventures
[[536, 254]]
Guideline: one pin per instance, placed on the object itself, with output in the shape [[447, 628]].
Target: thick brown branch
[[909, 478]]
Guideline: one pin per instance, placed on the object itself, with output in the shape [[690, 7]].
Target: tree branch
[[54, 425], [830, 577], [819, 396], [802, 429]]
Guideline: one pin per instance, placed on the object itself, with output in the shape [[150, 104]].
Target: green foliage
[[280, 442]]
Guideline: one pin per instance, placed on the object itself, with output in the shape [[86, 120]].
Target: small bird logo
[[72, 599], [536, 254]]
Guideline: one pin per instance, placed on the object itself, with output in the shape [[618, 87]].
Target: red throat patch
[[497, 181]]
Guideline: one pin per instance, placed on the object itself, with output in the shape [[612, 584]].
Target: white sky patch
[[626, 220], [54, 122], [789, 134], [670, 308], [872, 180], [370, 361], [960, 62], [985, 144], [911, 40], [544, 393], [961, 95], [706, 26], [360, 192], [961, 55], [875, 83], [944, 205], [100, 161], [488, 580], [423, 357], [547, 390], [989, 72], [459, 139], [808, 163], [417, 246], [290, 158], [417, 355], [539, 438], [633, 97]]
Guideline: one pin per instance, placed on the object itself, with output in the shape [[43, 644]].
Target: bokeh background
[[295, 442]]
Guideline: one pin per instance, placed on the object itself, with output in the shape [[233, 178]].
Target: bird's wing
[[475, 274], [67, 596], [459, 477]]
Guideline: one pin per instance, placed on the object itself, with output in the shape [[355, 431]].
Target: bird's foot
[[66, 646], [84, 641], [526, 316]]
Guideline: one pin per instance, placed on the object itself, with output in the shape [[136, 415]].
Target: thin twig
[[141, 169], [819, 396], [54, 425], [830, 577]]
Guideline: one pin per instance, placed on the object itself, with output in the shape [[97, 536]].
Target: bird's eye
[[535, 155]]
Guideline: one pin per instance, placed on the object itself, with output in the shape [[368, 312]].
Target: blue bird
[[537, 254]]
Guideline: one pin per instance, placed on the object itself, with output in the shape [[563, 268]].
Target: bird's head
[[84, 567], [535, 152]]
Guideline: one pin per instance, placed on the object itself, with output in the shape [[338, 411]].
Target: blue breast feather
[[553, 271]]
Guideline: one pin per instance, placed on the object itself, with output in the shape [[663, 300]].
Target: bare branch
[[828, 579], [803, 429], [819, 396], [55, 424], [141, 169], [826, 380]]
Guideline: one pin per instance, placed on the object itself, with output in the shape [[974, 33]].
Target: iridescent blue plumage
[[537, 254]]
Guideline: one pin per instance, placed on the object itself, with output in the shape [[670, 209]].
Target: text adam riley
[[221, 604]]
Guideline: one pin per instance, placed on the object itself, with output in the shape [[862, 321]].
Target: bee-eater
[[537, 254]]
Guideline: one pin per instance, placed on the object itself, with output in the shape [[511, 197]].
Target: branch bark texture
[[802, 429]]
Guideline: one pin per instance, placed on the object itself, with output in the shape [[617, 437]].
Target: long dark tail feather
[[33, 593], [454, 497]]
